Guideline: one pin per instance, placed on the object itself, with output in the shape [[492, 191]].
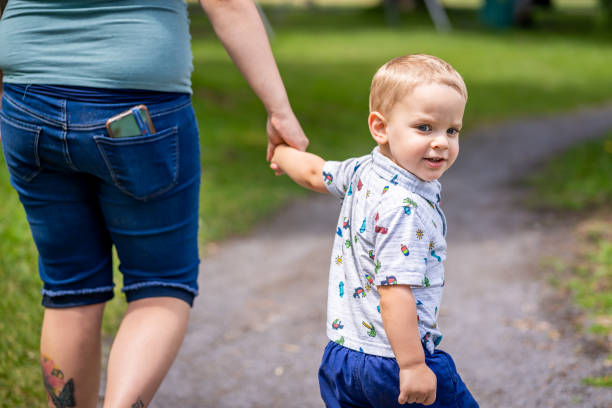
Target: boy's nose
[[439, 142]]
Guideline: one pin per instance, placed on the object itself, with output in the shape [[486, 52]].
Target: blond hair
[[398, 77]]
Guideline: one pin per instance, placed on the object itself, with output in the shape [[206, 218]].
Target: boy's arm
[[306, 169], [399, 315]]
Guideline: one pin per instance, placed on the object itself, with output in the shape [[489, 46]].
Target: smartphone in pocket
[[135, 121]]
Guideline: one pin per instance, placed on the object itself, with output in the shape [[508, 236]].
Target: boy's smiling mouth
[[434, 162]]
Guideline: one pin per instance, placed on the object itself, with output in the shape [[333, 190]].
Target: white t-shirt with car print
[[390, 231]]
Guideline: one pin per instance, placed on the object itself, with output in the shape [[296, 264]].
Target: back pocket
[[20, 146], [143, 166]]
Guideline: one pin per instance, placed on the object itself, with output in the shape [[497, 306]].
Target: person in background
[[69, 67]]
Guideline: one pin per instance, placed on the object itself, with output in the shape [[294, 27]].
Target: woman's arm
[[242, 33]]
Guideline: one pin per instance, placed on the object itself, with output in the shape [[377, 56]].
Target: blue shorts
[[84, 192], [349, 378]]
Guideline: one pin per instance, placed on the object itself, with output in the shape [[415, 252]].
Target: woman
[[69, 67]]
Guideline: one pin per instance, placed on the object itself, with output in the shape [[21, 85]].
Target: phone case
[[133, 122]]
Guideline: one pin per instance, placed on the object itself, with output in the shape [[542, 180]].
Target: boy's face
[[421, 133]]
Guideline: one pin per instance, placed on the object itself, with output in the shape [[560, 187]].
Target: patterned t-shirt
[[390, 231]]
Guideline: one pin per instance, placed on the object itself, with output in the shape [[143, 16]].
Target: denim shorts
[[349, 378], [84, 192]]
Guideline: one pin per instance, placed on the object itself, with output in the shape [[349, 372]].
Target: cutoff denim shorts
[[349, 378], [84, 192]]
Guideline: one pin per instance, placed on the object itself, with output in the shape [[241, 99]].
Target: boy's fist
[[276, 157], [417, 385]]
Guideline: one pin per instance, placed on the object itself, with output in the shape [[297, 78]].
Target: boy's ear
[[378, 127]]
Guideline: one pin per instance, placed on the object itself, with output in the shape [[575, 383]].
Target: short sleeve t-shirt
[[390, 231], [108, 44]]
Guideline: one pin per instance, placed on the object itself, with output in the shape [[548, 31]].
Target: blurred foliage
[[606, 6]]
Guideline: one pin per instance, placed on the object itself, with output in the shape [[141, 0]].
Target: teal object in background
[[498, 13]]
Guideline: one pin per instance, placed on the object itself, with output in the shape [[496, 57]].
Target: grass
[[327, 57], [605, 381], [579, 181], [591, 283]]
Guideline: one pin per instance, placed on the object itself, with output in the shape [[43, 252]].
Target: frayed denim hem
[[141, 285], [87, 291]]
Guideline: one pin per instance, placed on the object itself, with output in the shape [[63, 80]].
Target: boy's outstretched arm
[[306, 169], [399, 315]]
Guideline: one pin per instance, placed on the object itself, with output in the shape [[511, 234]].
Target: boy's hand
[[417, 385], [276, 157]]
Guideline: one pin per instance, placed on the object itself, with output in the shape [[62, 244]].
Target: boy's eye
[[452, 131], [424, 128]]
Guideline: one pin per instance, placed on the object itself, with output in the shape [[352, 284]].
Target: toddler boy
[[387, 274]]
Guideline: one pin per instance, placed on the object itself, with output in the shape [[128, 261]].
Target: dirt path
[[257, 329]]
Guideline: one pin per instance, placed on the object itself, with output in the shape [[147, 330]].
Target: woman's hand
[[284, 128]]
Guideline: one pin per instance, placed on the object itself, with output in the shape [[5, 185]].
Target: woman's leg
[[156, 242], [70, 355], [146, 344]]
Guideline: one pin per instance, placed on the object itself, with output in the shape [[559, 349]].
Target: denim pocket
[[20, 145], [143, 166]]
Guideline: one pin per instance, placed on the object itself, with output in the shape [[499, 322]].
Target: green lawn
[[327, 58]]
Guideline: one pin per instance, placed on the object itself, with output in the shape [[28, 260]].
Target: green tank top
[[113, 44]]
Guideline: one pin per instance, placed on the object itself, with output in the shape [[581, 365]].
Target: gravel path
[[257, 330]]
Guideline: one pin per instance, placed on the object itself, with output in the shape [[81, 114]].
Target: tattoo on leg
[[59, 392], [138, 404]]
